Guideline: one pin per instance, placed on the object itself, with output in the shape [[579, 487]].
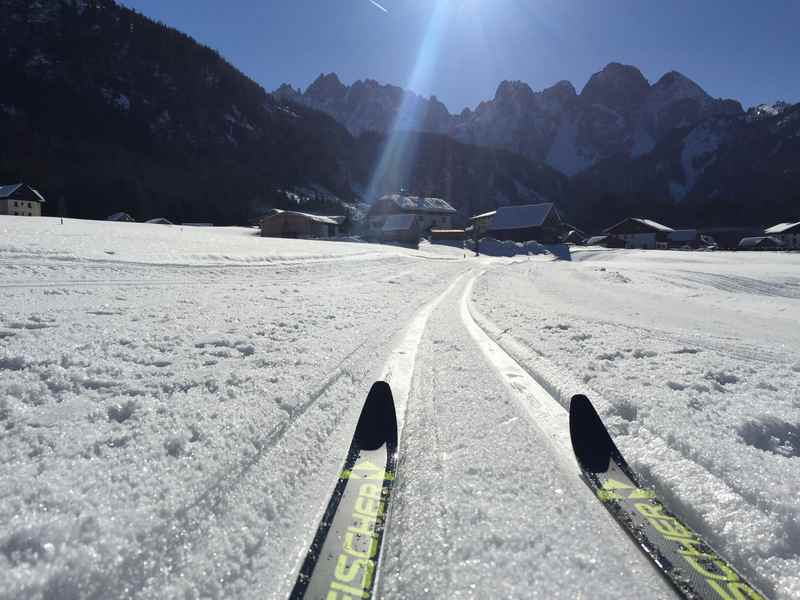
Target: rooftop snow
[[7, 190], [522, 216], [419, 203], [781, 227], [310, 217]]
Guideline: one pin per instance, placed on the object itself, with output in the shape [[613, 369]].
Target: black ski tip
[[591, 442], [377, 424]]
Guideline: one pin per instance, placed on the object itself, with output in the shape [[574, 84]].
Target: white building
[[430, 212], [21, 200], [787, 233]]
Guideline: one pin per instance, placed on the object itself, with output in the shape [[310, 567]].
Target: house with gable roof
[[522, 223], [21, 200], [638, 232], [429, 212]]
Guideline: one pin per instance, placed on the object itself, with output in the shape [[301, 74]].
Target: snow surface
[[176, 403]]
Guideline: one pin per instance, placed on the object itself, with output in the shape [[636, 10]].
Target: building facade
[[522, 223], [289, 224], [20, 200], [429, 212]]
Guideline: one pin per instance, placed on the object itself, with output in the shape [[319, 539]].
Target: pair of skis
[[342, 563]]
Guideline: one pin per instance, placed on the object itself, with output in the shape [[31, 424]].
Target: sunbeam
[[397, 157]]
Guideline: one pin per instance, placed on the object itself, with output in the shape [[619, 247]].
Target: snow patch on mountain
[[698, 152], [565, 154]]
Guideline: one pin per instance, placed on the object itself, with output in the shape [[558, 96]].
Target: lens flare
[[397, 157]]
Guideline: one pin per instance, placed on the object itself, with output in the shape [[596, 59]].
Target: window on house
[[16, 203], [29, 204]]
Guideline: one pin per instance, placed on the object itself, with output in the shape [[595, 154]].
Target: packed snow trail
[[483, 506], [698, 384]]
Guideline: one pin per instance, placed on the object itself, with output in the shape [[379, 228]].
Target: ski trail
[[399, 368], [544, 412]]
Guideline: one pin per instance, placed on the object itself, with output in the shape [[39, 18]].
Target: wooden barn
[[289, 224], [637, 232], [21, 200]]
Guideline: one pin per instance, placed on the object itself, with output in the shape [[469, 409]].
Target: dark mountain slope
[[115, 112]]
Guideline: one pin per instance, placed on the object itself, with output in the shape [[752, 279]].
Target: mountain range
[[617, 113], [105, 110]]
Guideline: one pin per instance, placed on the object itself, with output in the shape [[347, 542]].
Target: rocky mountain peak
[[513, 90], [675, 85], [619, 87], [327, 87]]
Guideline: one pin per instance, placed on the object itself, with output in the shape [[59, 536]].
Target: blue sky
[[459, 50]]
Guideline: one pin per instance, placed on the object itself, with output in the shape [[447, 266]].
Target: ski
[[695, 570], [342, 562]]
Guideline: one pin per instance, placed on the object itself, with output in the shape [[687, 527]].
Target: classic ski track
[[398, 371], [555, 391], [549, 418], [542, 409], [193, 530]]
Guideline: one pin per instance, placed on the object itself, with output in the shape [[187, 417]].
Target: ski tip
[[591, 442], [377, 424]]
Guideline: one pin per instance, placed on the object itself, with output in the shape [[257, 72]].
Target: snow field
[[692, 360], [171, 430], [175, 406]]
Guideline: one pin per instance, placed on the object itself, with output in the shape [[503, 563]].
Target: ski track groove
[[186, 528], [756, 502]]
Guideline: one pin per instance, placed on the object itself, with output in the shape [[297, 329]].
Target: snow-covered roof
[[653, 224], [8, 190], [596, 239], [650, 224], [120, 216], [781, 227], [485, 215], [310, 217], [399, 223], [159, 221], [521, 216], [418, 203]]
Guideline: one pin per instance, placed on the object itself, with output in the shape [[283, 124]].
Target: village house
[[787, 233], [290, 224], [640, 233], [429, 212], [121, 217], [761, 243], [20, 200], [521, 223]]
